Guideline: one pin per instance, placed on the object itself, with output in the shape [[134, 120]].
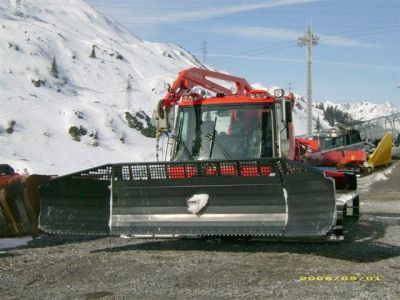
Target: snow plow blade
[[383, 152], [19, 204], [266, 197]]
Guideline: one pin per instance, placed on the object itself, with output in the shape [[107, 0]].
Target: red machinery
[[232, 173], [19, 202], [241, 93], [342, 148], [278, 109]]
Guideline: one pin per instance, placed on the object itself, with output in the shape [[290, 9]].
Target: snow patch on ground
[[365, 183], [12, 243]]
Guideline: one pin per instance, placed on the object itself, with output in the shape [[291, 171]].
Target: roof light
[[234, 90], [193, 97], [279, 93], [258, 94]]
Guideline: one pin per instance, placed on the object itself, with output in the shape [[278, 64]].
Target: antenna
[[128, 92]]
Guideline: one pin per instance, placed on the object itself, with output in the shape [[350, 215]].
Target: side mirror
[[167, 87], [288, 111], [163, 118]]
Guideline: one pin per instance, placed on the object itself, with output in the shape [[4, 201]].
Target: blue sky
[[358, 57]]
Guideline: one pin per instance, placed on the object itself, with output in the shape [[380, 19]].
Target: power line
[[285, 45], [257, 51]]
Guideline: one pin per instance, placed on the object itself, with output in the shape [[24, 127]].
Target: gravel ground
[[364, 266]]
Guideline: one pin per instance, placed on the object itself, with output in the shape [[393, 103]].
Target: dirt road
[[366, 265]]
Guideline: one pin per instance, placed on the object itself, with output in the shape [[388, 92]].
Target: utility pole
[[128, 93], [205, 51], [309, 40]]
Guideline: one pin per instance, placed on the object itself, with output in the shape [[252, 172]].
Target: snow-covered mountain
[[359, 111], [364, 111], [71, 114]]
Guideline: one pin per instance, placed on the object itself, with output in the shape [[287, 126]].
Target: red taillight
[[255, 171], [228, 171], [178, 172]]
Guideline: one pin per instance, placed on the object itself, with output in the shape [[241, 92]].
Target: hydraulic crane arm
[[189, 78]]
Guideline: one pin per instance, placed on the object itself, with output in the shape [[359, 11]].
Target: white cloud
[[368, 66], [193, 14], [260, 32], [333, 40], [285, 34], [255, 57], [293, 60]]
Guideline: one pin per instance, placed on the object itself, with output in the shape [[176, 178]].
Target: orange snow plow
[[383, 153]]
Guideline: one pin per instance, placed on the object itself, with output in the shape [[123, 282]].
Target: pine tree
[[93, 54], [329, 115], [318, 124], [347, 119], [54, 69]]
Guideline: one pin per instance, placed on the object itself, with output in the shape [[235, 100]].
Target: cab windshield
[[327, 142], [224, 132]]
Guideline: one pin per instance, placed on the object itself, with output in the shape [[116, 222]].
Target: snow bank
[[12, 243], [364, 183]]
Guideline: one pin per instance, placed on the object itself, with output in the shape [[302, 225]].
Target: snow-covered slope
[[300, 116], [360, 111], [38, 110]]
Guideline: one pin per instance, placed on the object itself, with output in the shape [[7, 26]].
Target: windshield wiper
[[185, 148], [182, 144], [212, 138]]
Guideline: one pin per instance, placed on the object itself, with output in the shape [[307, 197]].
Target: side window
[[285, 143], [184, 128]]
